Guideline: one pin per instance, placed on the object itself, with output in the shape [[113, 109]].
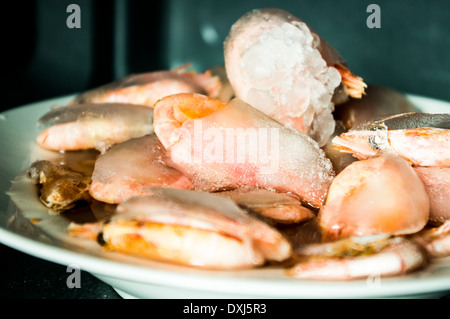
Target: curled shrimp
[[358, 257], [435, 240]]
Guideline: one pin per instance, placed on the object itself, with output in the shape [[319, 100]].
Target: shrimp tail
[[355, 84], [211, 84]]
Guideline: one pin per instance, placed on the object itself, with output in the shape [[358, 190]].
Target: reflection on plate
[[26, 226]]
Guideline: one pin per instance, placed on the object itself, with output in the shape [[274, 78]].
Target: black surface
[[43, 59], [26, 277]]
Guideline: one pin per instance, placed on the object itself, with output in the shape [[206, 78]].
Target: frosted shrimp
[[189, 228], [437, 184], [128, 169], [279, 65], [147, 88], [378, 195], [293, 162], [89, 126]]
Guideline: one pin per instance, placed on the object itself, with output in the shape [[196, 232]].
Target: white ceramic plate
[[133, 277]]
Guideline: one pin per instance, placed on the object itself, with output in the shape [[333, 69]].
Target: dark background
[[42, 58]]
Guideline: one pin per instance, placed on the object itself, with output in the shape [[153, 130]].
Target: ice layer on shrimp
[[225, 146], [276, 63]]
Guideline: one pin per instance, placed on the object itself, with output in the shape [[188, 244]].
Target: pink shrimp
[[436, 240], [147, 88], [196, 130], [422, 139], [277, 207], [190, 228], [437, 184], [358, 257], [279, 65], [128, 169], [378, 195], [89, 126]]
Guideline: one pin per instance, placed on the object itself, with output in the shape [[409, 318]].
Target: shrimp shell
[[193, 228], [89, 126], [277, 207], [358, 257], [435, 240], [147, 88], [422, 139]]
